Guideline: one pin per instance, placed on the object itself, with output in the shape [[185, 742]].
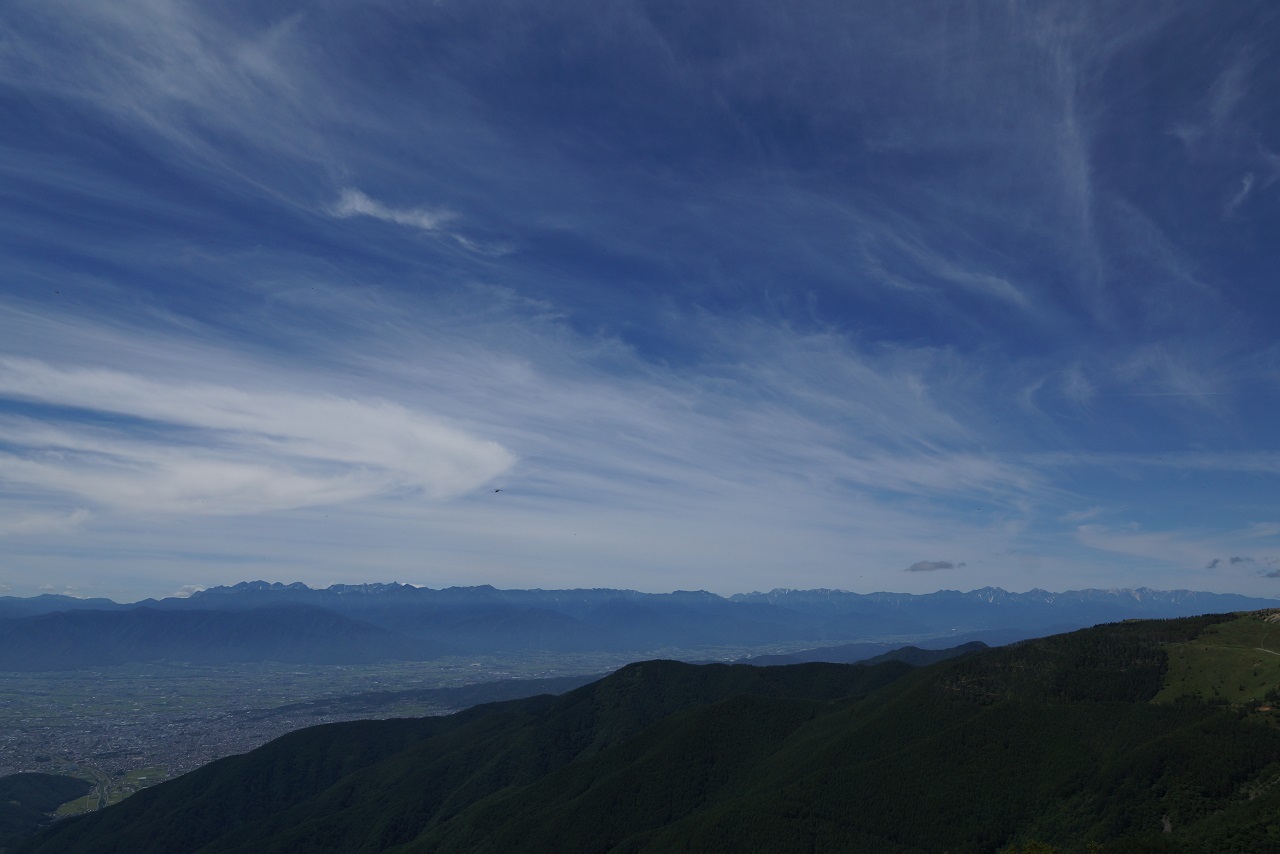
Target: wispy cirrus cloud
[[1241, 193], [1256, 462], [904, 262], [178, 72], [597, 452], [1076, 385], [352, 203], [796, 288], [1161, 370], [440, 222], [1076, 516]]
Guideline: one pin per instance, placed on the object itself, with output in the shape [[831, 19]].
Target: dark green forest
[[1048, 745]]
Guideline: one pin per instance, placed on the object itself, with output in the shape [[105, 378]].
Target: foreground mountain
[[917, 657], [1087, 741], [371, 703], [853, 653], [401, 621]]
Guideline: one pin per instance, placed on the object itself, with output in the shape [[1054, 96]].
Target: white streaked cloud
[[204, 448], [599, 454], [43, 523]]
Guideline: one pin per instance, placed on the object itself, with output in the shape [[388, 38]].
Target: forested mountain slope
[[1056, 740]]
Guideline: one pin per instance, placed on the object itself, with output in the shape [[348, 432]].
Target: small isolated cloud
[[352, 202], [1275, 573], [185, 591], [1272, 161], [5, 588], [1234, 560], [930, 565], [1189, 134]]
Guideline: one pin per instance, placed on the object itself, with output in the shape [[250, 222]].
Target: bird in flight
[[497, 490]]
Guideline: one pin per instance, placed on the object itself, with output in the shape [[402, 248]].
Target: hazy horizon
[[190, 590], [865, 296]]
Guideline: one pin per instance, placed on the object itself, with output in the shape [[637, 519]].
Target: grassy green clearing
[[1236, 661], [88, 803], [92, 800], [110, 790], [143, 777]]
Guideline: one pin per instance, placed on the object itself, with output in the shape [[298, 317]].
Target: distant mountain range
[[1140, 736], [360, 623], [63, 640]]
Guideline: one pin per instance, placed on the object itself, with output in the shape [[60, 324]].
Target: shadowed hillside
[[27, 799]]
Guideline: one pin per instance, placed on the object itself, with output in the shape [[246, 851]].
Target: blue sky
[[734, 296]]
